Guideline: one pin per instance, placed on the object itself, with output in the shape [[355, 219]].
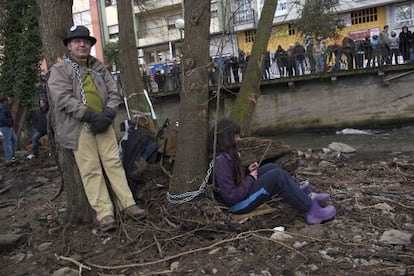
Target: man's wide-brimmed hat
[[78, 32]]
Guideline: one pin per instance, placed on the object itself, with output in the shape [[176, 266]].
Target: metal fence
[[333, 59]]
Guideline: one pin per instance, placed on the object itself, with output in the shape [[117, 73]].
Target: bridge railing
[[338, 59]]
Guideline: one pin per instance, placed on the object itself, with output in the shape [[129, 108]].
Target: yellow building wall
[[280, 33]]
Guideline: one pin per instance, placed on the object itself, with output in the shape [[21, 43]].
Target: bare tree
[[131, 78], [55, 16], [191, 159], [250, 88]]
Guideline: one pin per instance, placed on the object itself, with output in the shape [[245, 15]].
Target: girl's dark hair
[[226, 130]]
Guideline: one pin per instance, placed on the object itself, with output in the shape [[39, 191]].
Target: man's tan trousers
[[92, 151]]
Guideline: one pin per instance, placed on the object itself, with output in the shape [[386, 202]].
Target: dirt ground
[[372, 233]]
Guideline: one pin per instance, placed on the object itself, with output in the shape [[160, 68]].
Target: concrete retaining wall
[[368, 98]]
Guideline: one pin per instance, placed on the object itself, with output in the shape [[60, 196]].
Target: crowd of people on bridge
[[312, 56], [165, 77], [315, 56]]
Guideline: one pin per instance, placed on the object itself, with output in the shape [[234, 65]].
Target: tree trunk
[[19, 114], [131, 77], [54, 18], [191, 160], [250, 88]]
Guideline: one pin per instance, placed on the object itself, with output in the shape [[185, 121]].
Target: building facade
[[361, 18], [158, 36], [233, 24]]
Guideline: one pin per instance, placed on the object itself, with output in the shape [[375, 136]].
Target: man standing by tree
[[6, 128], [85, 97], [40, 126]]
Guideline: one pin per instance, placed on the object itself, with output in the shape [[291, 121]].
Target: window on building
[[243, 4], [282, 7], [171, 21], [364, 16], [250, 36], [82, 18], [113, 31], [404, 15], [291, 29], [243, 13], [214, 9], [110, 2], [243, 16]]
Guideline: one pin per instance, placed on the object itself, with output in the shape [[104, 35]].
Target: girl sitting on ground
[[244, 189]]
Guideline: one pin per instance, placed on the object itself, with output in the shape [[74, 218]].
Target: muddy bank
[[372, 233]]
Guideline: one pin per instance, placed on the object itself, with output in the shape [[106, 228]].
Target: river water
[[371, 141]]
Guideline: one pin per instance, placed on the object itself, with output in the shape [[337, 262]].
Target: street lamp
[[179, 24]]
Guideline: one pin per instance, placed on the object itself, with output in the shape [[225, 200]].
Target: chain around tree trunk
[[188, 196]]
